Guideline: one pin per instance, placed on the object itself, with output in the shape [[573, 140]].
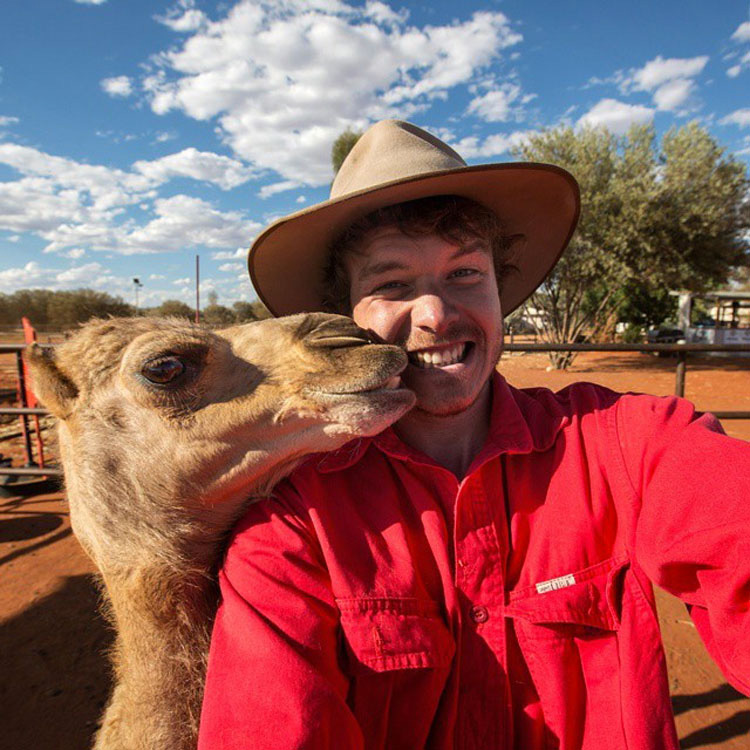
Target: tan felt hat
[[394, 162]]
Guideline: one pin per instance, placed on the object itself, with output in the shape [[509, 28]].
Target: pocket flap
[[588, 597], [395, 633]]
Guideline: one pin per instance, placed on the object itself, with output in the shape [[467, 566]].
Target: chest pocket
[[398, 654], [383, 634], [567, 629]]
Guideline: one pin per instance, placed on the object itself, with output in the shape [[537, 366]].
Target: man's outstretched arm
[[693, 532]]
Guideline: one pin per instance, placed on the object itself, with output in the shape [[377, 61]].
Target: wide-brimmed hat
[[394, 162]]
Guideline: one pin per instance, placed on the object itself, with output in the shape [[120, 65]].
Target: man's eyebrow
[[384, 266], [469, 247]]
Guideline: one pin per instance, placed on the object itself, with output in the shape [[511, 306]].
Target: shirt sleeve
[[273, 677], [692, 536]]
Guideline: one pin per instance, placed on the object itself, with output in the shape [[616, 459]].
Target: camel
[[167, 431]]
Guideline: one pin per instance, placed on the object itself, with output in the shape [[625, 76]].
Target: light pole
[[137, 285]]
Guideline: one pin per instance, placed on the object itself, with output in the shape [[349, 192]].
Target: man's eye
[[464, 272], [388, 286]]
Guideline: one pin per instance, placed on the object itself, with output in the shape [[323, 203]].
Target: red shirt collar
[[519, 423]]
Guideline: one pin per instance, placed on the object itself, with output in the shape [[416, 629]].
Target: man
[[477, 576]]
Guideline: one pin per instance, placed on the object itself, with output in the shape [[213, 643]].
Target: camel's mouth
[[390, 382]]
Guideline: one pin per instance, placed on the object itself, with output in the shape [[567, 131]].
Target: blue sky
[[137, 133]]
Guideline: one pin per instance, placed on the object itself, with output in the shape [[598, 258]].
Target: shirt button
[[479, 614]]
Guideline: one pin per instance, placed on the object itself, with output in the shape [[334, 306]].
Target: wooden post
[[197, 289], [679, 388]]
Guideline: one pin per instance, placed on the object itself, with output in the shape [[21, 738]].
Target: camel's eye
[[163, 370]]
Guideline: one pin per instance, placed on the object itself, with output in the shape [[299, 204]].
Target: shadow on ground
[[736, 726], [55, 673]]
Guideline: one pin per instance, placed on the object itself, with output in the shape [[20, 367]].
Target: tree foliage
[[653, 218], [61, 309], [217, 316], [248, 311], [341, 148], [173, 308]]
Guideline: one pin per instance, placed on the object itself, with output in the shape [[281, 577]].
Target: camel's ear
[[51, 386]]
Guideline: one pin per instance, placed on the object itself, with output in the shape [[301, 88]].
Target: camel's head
[[155, 400]]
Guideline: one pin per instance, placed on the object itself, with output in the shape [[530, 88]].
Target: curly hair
[[450, 217]]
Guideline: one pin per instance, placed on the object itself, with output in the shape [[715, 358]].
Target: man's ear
[[52, 387]]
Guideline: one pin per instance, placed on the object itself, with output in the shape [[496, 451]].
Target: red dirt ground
[[55, 678]]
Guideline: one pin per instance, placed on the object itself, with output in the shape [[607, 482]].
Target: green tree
[[260, 311], [651, 219], [341, 148], [69, 308], [217, 316], [244, 312], [174, 308]]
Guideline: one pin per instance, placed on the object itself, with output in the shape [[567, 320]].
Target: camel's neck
[[163, 620]]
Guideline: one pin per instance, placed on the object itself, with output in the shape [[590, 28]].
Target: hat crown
[[392, 150]]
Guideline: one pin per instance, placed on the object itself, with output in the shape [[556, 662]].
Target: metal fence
[[681, 350]]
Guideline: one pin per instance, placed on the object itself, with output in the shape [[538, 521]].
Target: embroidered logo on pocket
[[555, 583]]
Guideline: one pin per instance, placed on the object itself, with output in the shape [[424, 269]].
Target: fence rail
[[681, 350]]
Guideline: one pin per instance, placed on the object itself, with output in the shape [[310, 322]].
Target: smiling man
[[478, 575]]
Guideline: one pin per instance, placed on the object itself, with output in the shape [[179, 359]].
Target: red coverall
[[376, 601]]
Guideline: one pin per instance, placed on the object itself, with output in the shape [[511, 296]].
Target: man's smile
[[440, 356]]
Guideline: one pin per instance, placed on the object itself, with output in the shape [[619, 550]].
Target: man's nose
[[432, 312]]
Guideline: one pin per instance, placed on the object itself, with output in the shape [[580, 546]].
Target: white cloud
[[495, 105], [185, 222], [75, 205], [240, 252], [182, 282], [673, 94], [742, 32], [183, 17], [90, 2], [472, 147], [668, 80], [301, 199], [382, 13], [118, 86], [231, 267], [98, 187], [744, 63], [616, 116], [200, 165], [285, 78], [34, 275], [156, 277], [277, 187], [740, 117], [89, 273], [75, 253], [659, 71], [6, 120], [164, 136]]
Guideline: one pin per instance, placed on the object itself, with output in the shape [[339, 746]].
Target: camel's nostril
[[337, 332], [336, 341]]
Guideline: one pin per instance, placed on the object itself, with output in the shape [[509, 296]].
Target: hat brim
[[539, 201]]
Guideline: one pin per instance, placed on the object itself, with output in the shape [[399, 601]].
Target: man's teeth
[[438, 358]]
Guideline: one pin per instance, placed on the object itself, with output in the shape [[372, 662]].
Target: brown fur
[[156, 475]]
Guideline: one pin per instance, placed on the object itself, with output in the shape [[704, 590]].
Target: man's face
[[440, 302]]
